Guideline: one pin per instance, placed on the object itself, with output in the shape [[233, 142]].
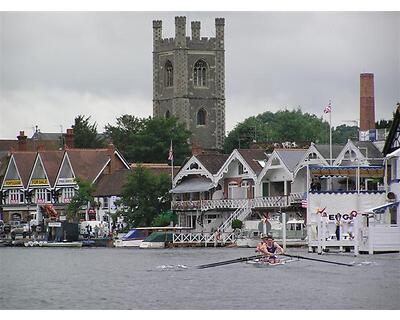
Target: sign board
[[39, 182], [54, 224], [66, 181], [12, 183]]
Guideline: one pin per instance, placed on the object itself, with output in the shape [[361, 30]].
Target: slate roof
[[51, 162], [111, 184], [212, 162], [323, 149], [31, 145], [87, 163], [251, 156], [369, 150], [291, 157]]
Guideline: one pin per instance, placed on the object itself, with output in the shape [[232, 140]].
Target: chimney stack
[[113, 166], [69, 139], [367, 102], [22, 145]]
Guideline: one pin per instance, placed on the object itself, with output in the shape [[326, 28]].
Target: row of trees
[[286, 125], [139, 140]]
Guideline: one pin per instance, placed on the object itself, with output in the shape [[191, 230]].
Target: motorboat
[[133, 238]]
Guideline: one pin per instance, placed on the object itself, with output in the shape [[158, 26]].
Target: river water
[[106, 278]]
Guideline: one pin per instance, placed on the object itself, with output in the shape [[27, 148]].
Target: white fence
[[193, 238]]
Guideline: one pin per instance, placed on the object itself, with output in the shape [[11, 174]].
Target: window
[[15, 196], [67, 194], [312, 155], [201, 117], [42, 195], [167, 114], [169, 74], [240, 168], [200, 74], [105, 203]]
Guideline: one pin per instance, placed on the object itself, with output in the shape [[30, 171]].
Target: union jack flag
[[328, 108], [304, 203], [171, 153]]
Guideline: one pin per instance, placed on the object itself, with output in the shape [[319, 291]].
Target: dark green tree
[[148, 140], [81, 199], [342, 133], [383, 124], [144, 196], [281, 126], [164, 219], [85, 134]]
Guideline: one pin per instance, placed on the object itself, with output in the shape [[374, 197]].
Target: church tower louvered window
[[200, 74], [169, 74]]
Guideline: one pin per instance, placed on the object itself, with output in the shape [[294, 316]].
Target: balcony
[[260, 202]]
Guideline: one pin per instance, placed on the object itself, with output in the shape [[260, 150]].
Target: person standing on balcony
[[269, 248]]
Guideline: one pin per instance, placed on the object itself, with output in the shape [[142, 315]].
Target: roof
[[370, 151], [31, 145], [51, 162], [197, 184], [212, 162], [24, 161], [157, 168], [291, 157], [323, 149], [87, 163], [251, 156], [47, 136], [111, 184]]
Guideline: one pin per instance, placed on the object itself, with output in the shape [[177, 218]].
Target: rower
[[269, 248]]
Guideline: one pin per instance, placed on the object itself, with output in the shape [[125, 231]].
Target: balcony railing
[[261, 202]]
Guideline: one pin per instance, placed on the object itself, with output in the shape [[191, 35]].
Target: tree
[[144, 196], [85, 134], [147, 140], [81, 199], [164, 219], [284, 125], [342, 133]]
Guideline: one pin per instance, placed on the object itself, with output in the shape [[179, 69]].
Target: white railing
[[261, 202], [222, 204], [203, 237]]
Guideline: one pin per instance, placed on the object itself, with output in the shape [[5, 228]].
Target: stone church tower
[[189, 80]]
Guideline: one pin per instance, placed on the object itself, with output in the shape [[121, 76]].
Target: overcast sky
[[55, 66]]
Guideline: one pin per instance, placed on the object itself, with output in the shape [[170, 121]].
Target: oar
[[319, 260], [221, 263]]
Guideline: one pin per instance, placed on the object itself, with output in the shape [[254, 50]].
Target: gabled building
[[40, 178]]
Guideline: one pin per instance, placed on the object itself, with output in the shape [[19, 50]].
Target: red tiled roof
[[24, 161], [87, 163], [51, 162], [212, 162], [157, 168], [251, 156], [111, 184]]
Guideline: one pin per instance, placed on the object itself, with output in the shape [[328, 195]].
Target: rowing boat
[[264, 263]]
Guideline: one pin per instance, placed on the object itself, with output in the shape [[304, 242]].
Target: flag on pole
[[171, 153], [304, 203], [328, 108]]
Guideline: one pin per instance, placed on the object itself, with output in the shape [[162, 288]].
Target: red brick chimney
[[69, 139], [22, 146], [367, 102], [113, 163]]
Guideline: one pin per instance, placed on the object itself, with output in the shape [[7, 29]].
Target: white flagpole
[[330, 133]]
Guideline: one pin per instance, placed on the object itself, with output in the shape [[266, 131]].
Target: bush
[[237, 224], [164, 219]]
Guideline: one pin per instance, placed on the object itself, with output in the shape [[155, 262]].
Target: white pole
[[319, 232], [330, 135], [356, 232], [284, 229], [308, 218]]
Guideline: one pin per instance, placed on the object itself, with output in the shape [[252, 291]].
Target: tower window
[[169, 74], [200, 74], [201, 117], [167, 114]]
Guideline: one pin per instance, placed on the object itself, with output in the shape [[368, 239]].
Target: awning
[[193, 185], [349, 171], [382, 208], [395, 153]]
